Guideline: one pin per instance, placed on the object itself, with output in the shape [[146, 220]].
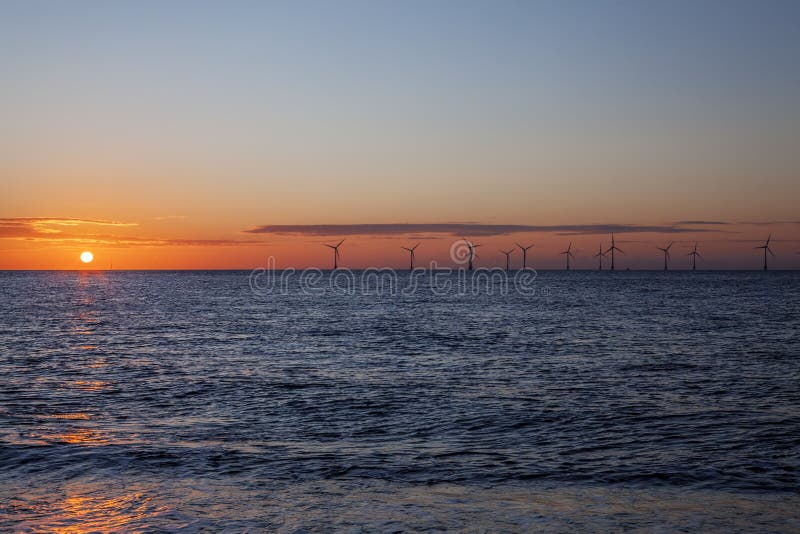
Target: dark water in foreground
[[606, 401]]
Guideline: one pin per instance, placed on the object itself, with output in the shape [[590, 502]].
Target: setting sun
[[87, 257]]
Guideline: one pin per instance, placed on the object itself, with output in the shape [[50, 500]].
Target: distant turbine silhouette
[[612, 249], [524, 254], [508, 256], [568, 253], [411, 251], [472, 254], [767, 249], [694, 254], [666, 254], [335, 253], [600, 254]]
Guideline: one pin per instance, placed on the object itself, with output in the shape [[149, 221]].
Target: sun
[[87, 257]]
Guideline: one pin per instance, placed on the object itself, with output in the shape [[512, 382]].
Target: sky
[[193, 135]]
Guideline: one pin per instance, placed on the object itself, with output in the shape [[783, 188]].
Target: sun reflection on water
[[74, 416], [91, 385], [82, 512], [78, 436]]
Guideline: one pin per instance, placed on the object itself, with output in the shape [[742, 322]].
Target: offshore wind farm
[[471, 256]]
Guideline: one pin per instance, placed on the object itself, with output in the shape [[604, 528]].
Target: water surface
[[182, 400]]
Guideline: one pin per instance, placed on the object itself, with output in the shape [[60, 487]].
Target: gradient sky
[[212, 134]]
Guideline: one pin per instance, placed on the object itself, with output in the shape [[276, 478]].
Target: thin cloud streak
[[701, 223], [31, 227], [768, 223], [458, 229], [48, 230], [61, 221], [118, 241]]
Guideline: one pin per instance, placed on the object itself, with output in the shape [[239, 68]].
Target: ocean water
[[590, 401]]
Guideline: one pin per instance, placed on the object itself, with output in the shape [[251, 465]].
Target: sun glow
[[87, 257]]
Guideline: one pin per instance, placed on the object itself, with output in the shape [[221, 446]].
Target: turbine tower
[[766, 248], [508, 258], [600, 254], [335, 253], [612, 249], [524, 254], [568, 253], [694, 254], [411, 252], [666, 254], [471, 246]]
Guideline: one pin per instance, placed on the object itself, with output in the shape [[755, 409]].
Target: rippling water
[[182, 400]]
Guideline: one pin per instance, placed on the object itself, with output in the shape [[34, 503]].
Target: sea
[[264, 401]]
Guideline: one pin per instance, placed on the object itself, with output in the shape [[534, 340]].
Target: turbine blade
[[770, 252]]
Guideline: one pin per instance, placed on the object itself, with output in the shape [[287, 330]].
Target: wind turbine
[[508, 257], [335, 253], [694, 254], [524, 254], [612, 249], [411, 251], [666, 254], [766, 248], [600, 254], [471, 246], [568, 253]]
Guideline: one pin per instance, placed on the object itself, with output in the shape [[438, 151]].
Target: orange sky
[[175, 243]]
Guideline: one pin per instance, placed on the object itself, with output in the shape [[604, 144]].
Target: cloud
[[701, 223], [20, 227], [458, 229], [768, 223], [61, 221], [62, 230], [128, 241]]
